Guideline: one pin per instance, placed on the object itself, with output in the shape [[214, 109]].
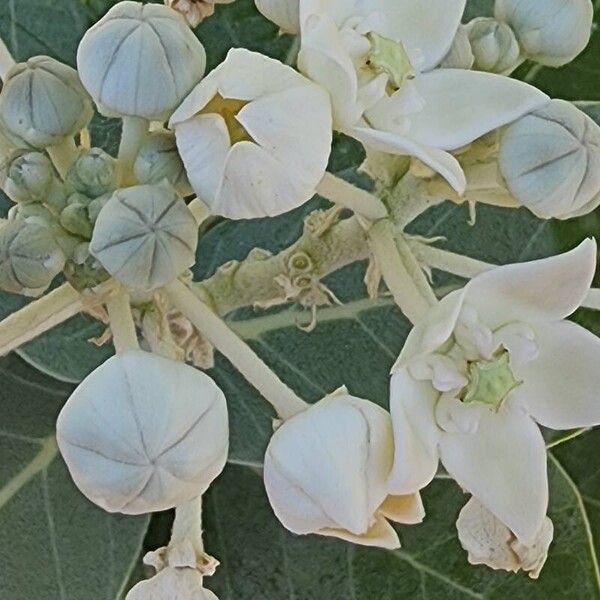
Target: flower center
[[228, 108], [490, 381], [391, 58]]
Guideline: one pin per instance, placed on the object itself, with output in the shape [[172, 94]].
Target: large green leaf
[[54, 544]]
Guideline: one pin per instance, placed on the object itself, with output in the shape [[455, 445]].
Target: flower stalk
[[63, 156], [121, 322], [133, 133]]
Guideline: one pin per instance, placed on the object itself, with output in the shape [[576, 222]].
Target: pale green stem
[[200, 211], [121, 321], [244, 359], [64, 156], [593, 300], [7, 61], [398, 279], [415, 270], [188, 524], [345, 194], [568, 437], [133, 133], [449, 262]]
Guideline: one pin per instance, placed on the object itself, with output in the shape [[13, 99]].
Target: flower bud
[[195, 11], [172, 584], [96, 205], [30, 258], [159, 159], [94, 173], [326, 472], [43, 102], [145, 236], [550, 161], [140, 61], [143, 433], [494, 46], [29, 177], [285, 13], [75, 219], [550, 32], [460, 55]]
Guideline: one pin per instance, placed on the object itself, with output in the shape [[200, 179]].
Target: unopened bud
[[75, 219], [494, 46], [145, 236], [43, 102], [29, 177], [143, 433], [460, 55], [550, 32], [94, 173], [30, 258], [550, 161]]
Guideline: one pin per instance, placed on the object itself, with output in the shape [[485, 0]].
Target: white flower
[[255, 137], [377, 59], [550, 161], [143, 433], [326, 472], [489, 542], [140, 61], [551, 32], [285, 13], [486, 364]]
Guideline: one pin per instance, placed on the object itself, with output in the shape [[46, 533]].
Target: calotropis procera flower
[[326, 472], [143, 433], [484, 367], [255, 137], [377, 59], [140, 60]]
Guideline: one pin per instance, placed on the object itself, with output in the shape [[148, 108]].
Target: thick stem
[[395, 273], [133, 133], [344, 194], [7, 61], [415, 270], [188, 525], [282, 398], [449, 262], [200, 211], [64, 156], [121, 322]]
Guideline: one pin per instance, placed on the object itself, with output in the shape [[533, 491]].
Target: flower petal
[[406, 509], [415, 433], [461, 106], [284, 13], [441, 162], [380, 535], [504, 466], [536, 291], [561, 387]]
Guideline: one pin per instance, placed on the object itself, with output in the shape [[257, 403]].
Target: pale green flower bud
[[494, 46], [145, 236], [159, 159], [550, 32], [94, 173], [75, 219], [29, 177], [140, 61], [96, 205], [30, 258], [550, 161], [43, 102], [460, 55]]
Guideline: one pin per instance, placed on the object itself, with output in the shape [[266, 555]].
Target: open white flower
[[326, 472], [377, 59], [487, 363], [255, 137]]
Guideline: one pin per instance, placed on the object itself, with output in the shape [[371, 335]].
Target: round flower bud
[[254, 136], [460, 55], [140, 60], [550, 32], [285, 13], [94, 173], [43, 102], [550, 161], [172, 584], [144, 433], [145, 236], [75, 219], [326, 472], [159, 159], [29, 177], [30, 258], [494, 46]]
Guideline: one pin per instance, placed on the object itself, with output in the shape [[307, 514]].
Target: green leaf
[[54, 544]]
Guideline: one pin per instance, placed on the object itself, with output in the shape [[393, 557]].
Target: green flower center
[[228, 109], [490, 381], [387, 56]]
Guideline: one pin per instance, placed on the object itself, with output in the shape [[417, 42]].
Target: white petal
[[561, 388], [461, 106], [504, 466], [391, 143], [415, 433], [536, 291], [407, 509], [380, 535], [284, 13]]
